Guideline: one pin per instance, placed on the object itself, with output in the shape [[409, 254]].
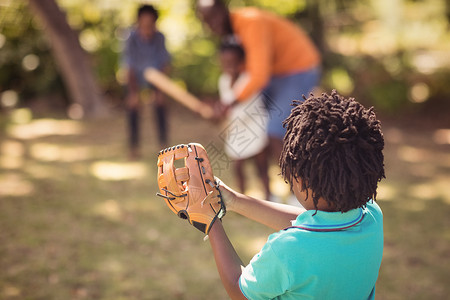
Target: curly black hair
[[335, 146]]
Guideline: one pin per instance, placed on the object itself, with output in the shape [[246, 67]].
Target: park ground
[[78, 220]]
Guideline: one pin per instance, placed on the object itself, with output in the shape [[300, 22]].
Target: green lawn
[[80, 221]]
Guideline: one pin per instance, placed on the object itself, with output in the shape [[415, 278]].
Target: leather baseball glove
[[190, 191]]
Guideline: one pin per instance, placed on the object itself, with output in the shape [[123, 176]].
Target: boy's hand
[[219, 110], [214, 106], [228, 194]]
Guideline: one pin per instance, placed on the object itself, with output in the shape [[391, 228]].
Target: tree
[[72, 60]]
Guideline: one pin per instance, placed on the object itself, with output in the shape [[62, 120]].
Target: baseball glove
[[190, 191]]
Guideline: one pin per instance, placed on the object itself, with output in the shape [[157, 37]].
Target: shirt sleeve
[[256, 36], [126, 58], [265, 277], [164, 57]]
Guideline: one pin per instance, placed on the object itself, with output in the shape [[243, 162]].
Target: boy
[[332, 158], [245, 134], [144, 48]]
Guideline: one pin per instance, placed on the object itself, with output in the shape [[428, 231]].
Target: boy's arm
[[227, 260], [274, 215]]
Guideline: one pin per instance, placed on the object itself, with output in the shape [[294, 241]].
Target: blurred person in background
[[144, 48], [281, 60], [246, 135]]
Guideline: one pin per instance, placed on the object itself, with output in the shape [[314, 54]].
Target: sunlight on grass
[[11, 162], [442, 136], [109, 209], [11, 154], [45, 152], [153, 234], [424, 191], [423, 170], [254, 191], [106, 170], [255, 245], [415, 205], [145, 206], [12, 148], [21, 115], [441, 184], [39, 171], [14, 185], [10, 291], [277, 185], [411, 154], [386, 192], [53, 152], [113, 266], [44, 127]]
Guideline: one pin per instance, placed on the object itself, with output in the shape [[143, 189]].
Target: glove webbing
[[214, 185]]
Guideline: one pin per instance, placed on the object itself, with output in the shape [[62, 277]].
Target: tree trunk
[[72, 60], [315, 17]]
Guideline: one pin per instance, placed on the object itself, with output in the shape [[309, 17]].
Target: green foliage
[[199, 61], [389, 97], [368, 80], [282, 7], [381, 55], [23, 38]]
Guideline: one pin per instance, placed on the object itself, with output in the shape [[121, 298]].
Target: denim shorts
[[280, 93]]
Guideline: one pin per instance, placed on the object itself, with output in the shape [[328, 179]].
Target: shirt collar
[[328, 221]]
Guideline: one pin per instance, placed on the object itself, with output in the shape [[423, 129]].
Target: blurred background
[[80, 221]]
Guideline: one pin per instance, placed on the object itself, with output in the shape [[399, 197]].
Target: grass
[[80, 221]]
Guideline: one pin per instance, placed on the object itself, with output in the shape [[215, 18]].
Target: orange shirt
[[273, 46]]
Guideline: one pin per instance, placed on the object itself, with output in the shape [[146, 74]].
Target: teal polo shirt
[[324, 255]]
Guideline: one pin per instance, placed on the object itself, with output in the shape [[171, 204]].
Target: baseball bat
[[181, 95]]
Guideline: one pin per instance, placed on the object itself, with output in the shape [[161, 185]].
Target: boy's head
[[146, 21], [232, 58], [333, 148]]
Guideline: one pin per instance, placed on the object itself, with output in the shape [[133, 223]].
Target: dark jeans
[[134, 125]]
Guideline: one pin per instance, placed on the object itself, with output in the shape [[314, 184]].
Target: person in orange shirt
[[282, 61]]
